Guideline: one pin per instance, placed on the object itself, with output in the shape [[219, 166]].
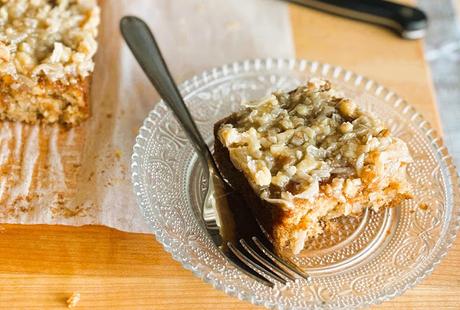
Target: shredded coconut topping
[[44, 38], [289, 144]]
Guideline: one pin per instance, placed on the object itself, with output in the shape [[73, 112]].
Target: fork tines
[[267, 267]]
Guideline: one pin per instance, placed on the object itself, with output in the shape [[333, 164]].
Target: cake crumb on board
[[73, 300]]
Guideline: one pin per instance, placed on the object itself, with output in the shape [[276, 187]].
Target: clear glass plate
[[366, 261]]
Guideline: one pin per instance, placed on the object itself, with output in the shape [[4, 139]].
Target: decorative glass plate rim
[[314, 67]]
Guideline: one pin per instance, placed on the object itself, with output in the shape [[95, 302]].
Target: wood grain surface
[[41, 266]]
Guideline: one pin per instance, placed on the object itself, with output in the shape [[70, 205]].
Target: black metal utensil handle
[[144, 47], [409, 22]]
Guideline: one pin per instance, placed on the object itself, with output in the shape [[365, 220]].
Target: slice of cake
[[46, 51], [308, 156]]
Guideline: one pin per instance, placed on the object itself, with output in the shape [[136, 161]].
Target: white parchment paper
[[51, 175]]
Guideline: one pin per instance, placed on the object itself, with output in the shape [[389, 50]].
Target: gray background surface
[[443, 54]]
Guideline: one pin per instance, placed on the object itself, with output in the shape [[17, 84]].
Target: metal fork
[[234, 229], [248, 250]]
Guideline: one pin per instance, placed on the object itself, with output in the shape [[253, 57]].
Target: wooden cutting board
[[41, 266]]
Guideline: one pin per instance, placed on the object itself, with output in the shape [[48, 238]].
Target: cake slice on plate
[[302, 158]]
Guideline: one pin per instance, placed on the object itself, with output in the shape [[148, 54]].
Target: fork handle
[[144, 47], [409, 22]]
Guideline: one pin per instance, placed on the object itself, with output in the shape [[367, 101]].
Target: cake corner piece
[[46, 60], [303, 158]]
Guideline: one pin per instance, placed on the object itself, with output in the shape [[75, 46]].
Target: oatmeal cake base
[[49, 102], [267, 214]]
